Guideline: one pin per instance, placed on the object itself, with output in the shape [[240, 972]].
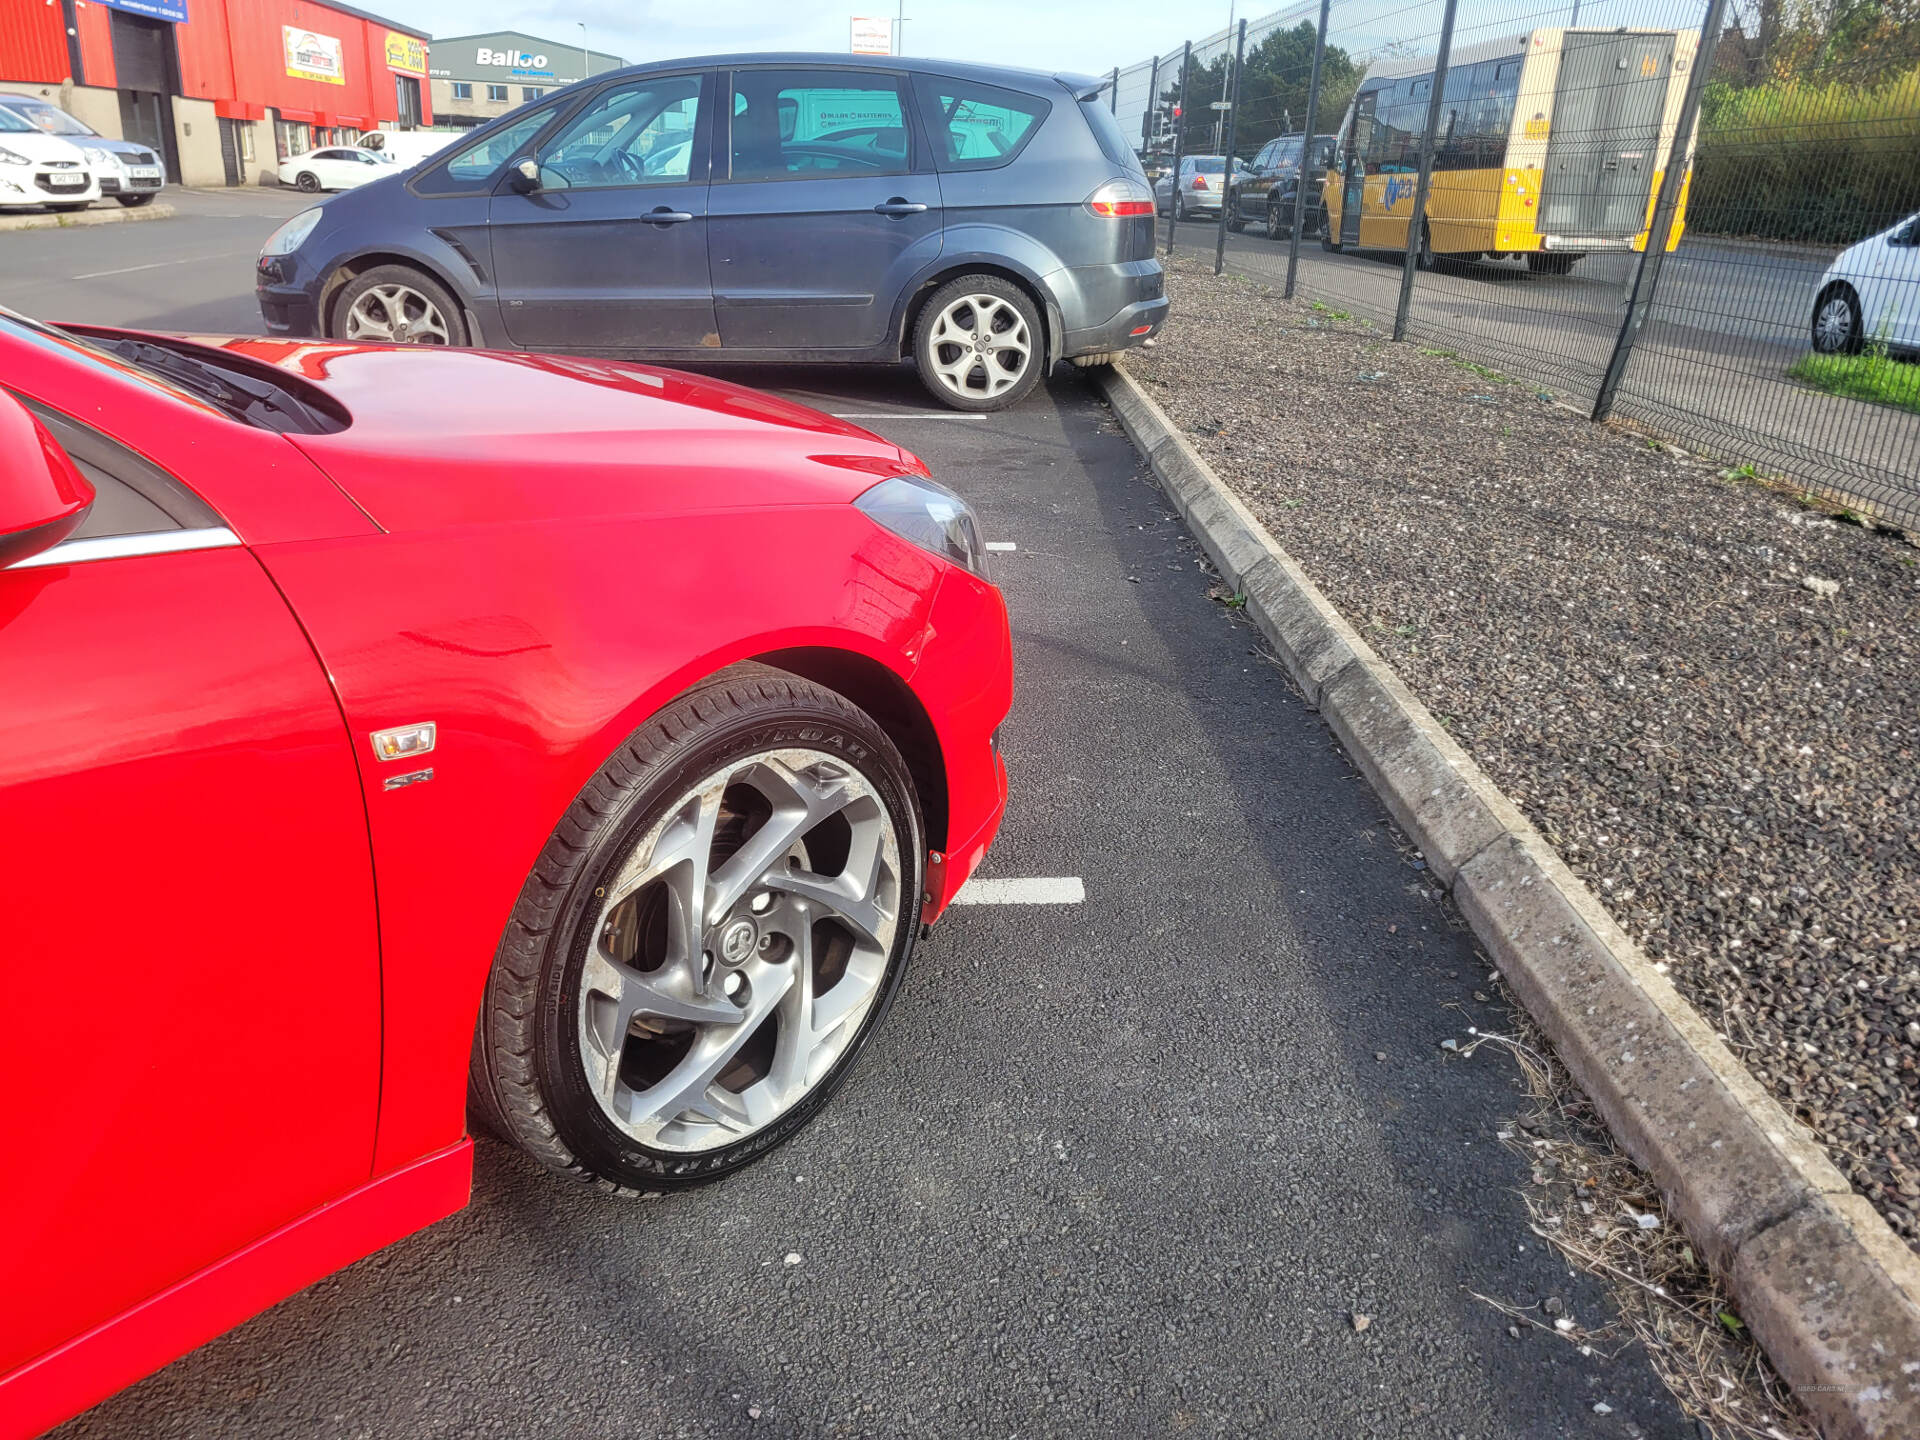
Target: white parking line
[[159, 265], [1041, 890], [895, 414], [1001, 545]]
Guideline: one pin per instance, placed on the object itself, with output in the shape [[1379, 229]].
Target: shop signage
[[312, 56], [174, 10], [406, 54], [872, 37]]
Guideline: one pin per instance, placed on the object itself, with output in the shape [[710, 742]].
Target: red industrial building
[[223, 89]]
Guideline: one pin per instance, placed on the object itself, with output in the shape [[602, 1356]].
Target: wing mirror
[[525, 177], [43, 496]]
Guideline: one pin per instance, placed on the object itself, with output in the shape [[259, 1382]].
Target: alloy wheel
[[981, 347], [397, 313], [1833, 325], [739, 950]]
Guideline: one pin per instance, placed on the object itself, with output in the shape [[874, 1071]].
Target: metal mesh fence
[[1775, 143]]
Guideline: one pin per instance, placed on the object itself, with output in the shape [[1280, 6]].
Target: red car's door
[[189, 971]]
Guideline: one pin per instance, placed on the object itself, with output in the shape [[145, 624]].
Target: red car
[[389, 734]]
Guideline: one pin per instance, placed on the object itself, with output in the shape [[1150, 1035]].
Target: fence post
[[1113, 95], [1179, 143], [1306, 153], [1646, 277], [1416, 223], [1228, 200]]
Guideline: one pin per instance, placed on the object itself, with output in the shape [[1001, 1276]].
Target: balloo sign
[[521, 62]]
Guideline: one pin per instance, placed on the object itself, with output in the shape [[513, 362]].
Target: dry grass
[[1605, 1216]]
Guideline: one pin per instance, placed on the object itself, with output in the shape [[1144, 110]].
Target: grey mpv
[[984, 222]]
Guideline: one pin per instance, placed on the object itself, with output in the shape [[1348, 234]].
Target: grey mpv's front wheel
[[398, 305]]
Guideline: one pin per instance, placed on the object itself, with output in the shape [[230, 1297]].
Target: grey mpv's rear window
[[1113, 140], [973, 126]]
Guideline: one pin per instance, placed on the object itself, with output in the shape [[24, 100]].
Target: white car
[[129, 171], [1871, 294], [39, 169], [337, 167]]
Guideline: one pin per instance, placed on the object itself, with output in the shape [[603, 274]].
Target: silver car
[[1200, 185]]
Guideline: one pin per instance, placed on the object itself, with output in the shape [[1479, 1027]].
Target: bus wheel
[[1425, 258], [1328, 239], [1544, 262]]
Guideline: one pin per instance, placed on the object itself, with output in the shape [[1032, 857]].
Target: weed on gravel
[[1705, 695]]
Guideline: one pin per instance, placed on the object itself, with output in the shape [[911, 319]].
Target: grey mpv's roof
[[1008, 76]]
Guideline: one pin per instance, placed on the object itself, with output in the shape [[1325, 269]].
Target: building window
[[292, 137], [530, 92], [246, 143], [462, 90], [496, 92]]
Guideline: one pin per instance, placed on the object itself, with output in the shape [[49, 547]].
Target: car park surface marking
[[1039, 890], [1001, 545], [905, 415], [158, 265]]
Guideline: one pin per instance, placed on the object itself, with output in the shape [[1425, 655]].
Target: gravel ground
[[1643, 651]]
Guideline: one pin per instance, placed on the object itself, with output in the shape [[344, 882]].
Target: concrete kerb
[[1832, 1294], [118, 215]]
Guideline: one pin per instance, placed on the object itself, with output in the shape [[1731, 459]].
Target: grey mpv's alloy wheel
[[398, 305], [977, 343], [709, 939]]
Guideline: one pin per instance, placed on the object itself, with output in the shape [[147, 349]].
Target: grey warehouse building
[[475, 78]]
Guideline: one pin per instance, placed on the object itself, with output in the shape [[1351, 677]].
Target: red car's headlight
[[931, 516]]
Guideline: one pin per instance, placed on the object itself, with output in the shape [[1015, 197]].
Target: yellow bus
[[1551, 145]]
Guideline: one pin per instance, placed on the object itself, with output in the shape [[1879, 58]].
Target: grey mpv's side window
[[642, 133], [976, 127], [792, 124], [472, 167]]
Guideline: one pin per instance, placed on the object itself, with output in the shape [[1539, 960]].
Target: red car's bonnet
[[515, 438]]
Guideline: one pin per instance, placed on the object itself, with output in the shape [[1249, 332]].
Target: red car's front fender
[[536, 650]]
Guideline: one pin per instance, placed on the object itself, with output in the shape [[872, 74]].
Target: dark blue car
[[985, 222]]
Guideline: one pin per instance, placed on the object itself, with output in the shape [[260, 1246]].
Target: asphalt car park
[[1128, 1163]]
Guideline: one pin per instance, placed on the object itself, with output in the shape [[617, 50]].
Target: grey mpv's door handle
[[899, 206], [664, 216]]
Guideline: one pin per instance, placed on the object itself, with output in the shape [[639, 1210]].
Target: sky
[[1086, 36], [1082, 35]]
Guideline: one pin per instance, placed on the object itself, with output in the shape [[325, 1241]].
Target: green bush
[[1797, 160]]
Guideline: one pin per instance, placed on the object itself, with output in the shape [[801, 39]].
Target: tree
[[1273, 90]]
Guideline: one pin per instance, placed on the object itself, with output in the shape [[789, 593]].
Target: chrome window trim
[[121, 547]]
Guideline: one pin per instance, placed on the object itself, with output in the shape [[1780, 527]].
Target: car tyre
[[307, 181], [1179, 207], [1235, 221], [1837, 328], [978, 345], [542, 1065], [396, 304], [1275, 230], [134, 201]]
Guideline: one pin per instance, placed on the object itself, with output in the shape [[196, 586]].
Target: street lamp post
[[586, 65]]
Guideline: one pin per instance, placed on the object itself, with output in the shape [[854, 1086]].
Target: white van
[[406, 148]]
